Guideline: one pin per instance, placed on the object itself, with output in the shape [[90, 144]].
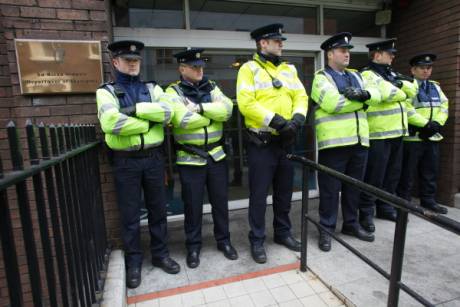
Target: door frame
[[295, 45]]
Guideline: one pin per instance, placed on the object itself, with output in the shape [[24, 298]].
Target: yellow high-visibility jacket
[[258, 100], [338, 120], [390, 118], [191, 128], [131, 133], [431, 110]]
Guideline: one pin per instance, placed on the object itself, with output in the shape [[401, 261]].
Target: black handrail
[[403, 208], [65, 183]]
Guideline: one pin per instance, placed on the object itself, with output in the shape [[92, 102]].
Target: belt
[[200, 150], [146, 153]]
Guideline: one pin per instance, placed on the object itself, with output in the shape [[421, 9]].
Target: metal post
[[304, 221], [9, 249], [25, 216], [397, 258], [56, 225], [42, 218]]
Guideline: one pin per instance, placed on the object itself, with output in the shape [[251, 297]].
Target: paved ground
[[431, 264]]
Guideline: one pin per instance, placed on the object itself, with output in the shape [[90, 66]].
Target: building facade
[[222, 27]]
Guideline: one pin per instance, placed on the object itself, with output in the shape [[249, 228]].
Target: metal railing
[[65, 182], [403, 208]]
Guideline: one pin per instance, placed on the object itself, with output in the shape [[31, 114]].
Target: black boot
[[133, 277]]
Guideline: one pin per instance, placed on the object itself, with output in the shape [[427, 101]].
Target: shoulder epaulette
[[102, 85], [150, 81]]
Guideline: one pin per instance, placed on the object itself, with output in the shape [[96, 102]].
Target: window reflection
[[244, 16], [357, 22]]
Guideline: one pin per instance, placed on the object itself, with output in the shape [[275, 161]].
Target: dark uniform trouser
[[213, 176], [350, 160], [132, 176], [383, 171], [424, 158], [269, 165]]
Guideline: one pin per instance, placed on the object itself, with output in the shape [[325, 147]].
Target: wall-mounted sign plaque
[[52, 66]]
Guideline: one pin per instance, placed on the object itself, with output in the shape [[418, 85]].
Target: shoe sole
[[260, 261], [166, 271], [288, 247], [362, 239]]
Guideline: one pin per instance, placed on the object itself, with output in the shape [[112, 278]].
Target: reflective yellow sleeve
[[443, 114], [299, 95], [327, 96], [156, 111], [114, 122], [183, 118], [246, 98], [410, 88], [414, 118], [388, 92], [221, 107], [371, 86]]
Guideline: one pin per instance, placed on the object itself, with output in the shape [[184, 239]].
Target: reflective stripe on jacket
[[199, 129], [390, 118], [130, 133], [431, 110], [338, 120]]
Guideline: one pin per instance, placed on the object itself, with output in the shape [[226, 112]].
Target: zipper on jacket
[[205, 138], [357, 127], [402, 118], [142, 141]]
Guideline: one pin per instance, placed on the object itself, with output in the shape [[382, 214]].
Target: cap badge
[[132, 47], [346, 39], [427, 58], [198, 55]]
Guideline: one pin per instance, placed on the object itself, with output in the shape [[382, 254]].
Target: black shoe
[[367, 224], [358, 232], [258, 253], [324, 242], [436, 208], [390, 215], [289, 242], [167, 264], [193, 259], [228, 251], [133, 277]]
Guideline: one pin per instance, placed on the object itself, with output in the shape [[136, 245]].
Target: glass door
[[222, 67]]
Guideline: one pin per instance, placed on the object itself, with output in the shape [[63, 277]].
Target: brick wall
[[435, 26], [50, 19]]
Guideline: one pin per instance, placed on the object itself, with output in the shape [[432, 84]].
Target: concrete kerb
[[334, 290], [115, 283]]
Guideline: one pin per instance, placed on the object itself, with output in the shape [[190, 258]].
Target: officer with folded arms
[[342, 133], [132, 114], [274, 104], [388, 124], [421, 147], [200, 109]]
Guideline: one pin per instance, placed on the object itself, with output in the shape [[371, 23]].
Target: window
[[166, 14], [359, 23], [244, 16]]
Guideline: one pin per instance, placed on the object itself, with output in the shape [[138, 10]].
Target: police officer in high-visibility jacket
[[421, 147], [273, 102], [388, 124], [200, 109], [132, 114], [342, 135]]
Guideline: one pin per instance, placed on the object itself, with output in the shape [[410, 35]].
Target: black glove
[[397, 83], [436, 126], [130, 111], [354, 93], [277, 122], [430, 129], [298, 119], [288, 133]]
